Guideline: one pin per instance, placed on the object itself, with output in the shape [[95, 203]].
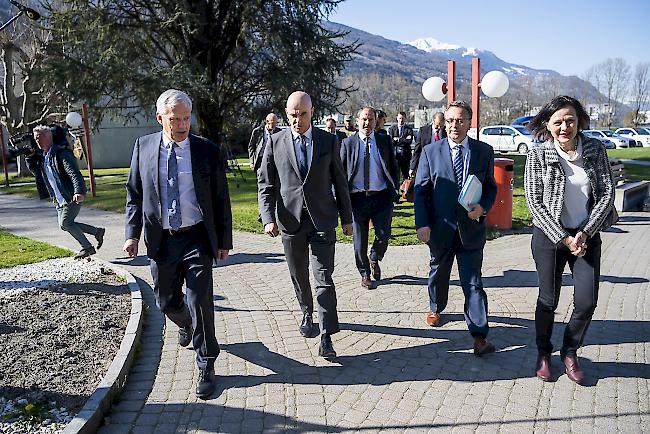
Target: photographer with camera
[[65, 185]]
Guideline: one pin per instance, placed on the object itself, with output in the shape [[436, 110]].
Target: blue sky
[[567, 36]]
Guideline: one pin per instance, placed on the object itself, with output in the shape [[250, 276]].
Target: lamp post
[[494, 84], [75, 120]]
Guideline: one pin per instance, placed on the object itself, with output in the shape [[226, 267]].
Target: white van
[[507, 138]]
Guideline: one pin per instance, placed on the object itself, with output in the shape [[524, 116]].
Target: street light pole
[[476, 95]]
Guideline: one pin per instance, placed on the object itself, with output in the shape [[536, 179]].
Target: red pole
[[451, 81], [476, 82], [4, 157], [89, 155]]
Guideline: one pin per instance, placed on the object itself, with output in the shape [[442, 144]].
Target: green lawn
[[642, 154], [243, 194], [16, 250]]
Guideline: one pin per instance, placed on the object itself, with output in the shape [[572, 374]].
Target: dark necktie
[[304, 162], [458, 166], [173, 195], [366, 165]]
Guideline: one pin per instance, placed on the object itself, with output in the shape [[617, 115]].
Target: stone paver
[[393, 374]]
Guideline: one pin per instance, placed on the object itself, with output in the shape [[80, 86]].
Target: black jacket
[[66, 172]]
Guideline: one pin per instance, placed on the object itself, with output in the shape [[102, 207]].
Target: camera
[[22, 143]]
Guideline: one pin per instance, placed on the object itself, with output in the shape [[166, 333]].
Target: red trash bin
[[501, 213]]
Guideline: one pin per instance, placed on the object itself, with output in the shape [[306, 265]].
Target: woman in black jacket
[[570, 194]]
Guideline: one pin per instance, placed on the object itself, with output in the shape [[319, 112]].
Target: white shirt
[[464, 148], [377, 181], [577, 189], [190, 212]]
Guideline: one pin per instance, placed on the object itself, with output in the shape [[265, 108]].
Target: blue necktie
[[304, 163], [458, 166], [173, 195]]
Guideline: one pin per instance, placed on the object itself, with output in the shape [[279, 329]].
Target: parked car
[[507, 138], [524, 120], [598, 135], [640, 135]]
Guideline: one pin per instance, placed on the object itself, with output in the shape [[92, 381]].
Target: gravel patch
[[61, 323]]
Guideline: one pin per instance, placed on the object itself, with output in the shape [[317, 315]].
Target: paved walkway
[[394, 374]]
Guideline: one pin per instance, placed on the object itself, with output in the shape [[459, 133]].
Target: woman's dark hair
[[538, 125]]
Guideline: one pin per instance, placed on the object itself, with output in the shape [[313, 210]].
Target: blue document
[[471, 192]]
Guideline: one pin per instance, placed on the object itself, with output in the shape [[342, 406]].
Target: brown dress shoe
[[367, 283], [572, 369], [483, 346], [433, 319], [543, 367]]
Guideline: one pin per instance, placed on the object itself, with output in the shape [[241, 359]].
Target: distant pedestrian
[[381, 120], [67, 188], [570, 194], [259, 137], [428, 134], [348, 126], [330, 127], [402, 136]]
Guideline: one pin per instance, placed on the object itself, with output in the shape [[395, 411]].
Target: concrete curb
[[90, 416]]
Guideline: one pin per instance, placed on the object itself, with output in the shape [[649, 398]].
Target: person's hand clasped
[[131, 248], [271, 229], [424, 233], [78, 198], [476, 211], [347, 229], [577, 245], [222, 255]]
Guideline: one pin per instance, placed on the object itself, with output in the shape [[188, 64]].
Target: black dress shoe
[[185, 336], [85, 253], [326, 349], [206, 384], [99, 236], [375, 270], [307, 326]]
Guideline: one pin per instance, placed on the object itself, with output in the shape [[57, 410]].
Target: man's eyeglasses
[[460, 121]]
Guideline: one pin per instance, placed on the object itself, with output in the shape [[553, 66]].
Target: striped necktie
[[304, 159], [458, 166]]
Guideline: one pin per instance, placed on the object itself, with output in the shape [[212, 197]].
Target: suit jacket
[[143, 202], [403, 141], [256, 145], [282, 192], [425, 137], [436, 194], [350, 149], [340, 135]]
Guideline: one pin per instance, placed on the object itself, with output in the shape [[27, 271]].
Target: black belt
[[183, 230], [371, 192]]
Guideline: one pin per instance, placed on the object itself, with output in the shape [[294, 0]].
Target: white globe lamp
[[495, 84], [434, 89], [73, 119]]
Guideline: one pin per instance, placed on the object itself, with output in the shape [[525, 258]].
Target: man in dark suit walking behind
[[402, 137], [428, 134], [259, 137], [369, 161], [449, 229], [303, 191], [177, 190]]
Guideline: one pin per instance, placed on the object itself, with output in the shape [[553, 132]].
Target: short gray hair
[[170, 98], [42, 129]]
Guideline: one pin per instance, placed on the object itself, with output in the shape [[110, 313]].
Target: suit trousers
[[66, 214], [378, 208], [403, 158], [469, 268], [550, 261], [296, 250], [187, 257]]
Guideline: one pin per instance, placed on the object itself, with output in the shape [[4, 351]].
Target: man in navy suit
[[177, 191], [369, 161], [449, 229]]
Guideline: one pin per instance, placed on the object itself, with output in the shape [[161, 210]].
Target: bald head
[[271, 121], [299, 111]]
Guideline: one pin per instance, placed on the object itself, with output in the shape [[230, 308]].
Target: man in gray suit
[[259, 137], [303, 191], [177, 191]]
